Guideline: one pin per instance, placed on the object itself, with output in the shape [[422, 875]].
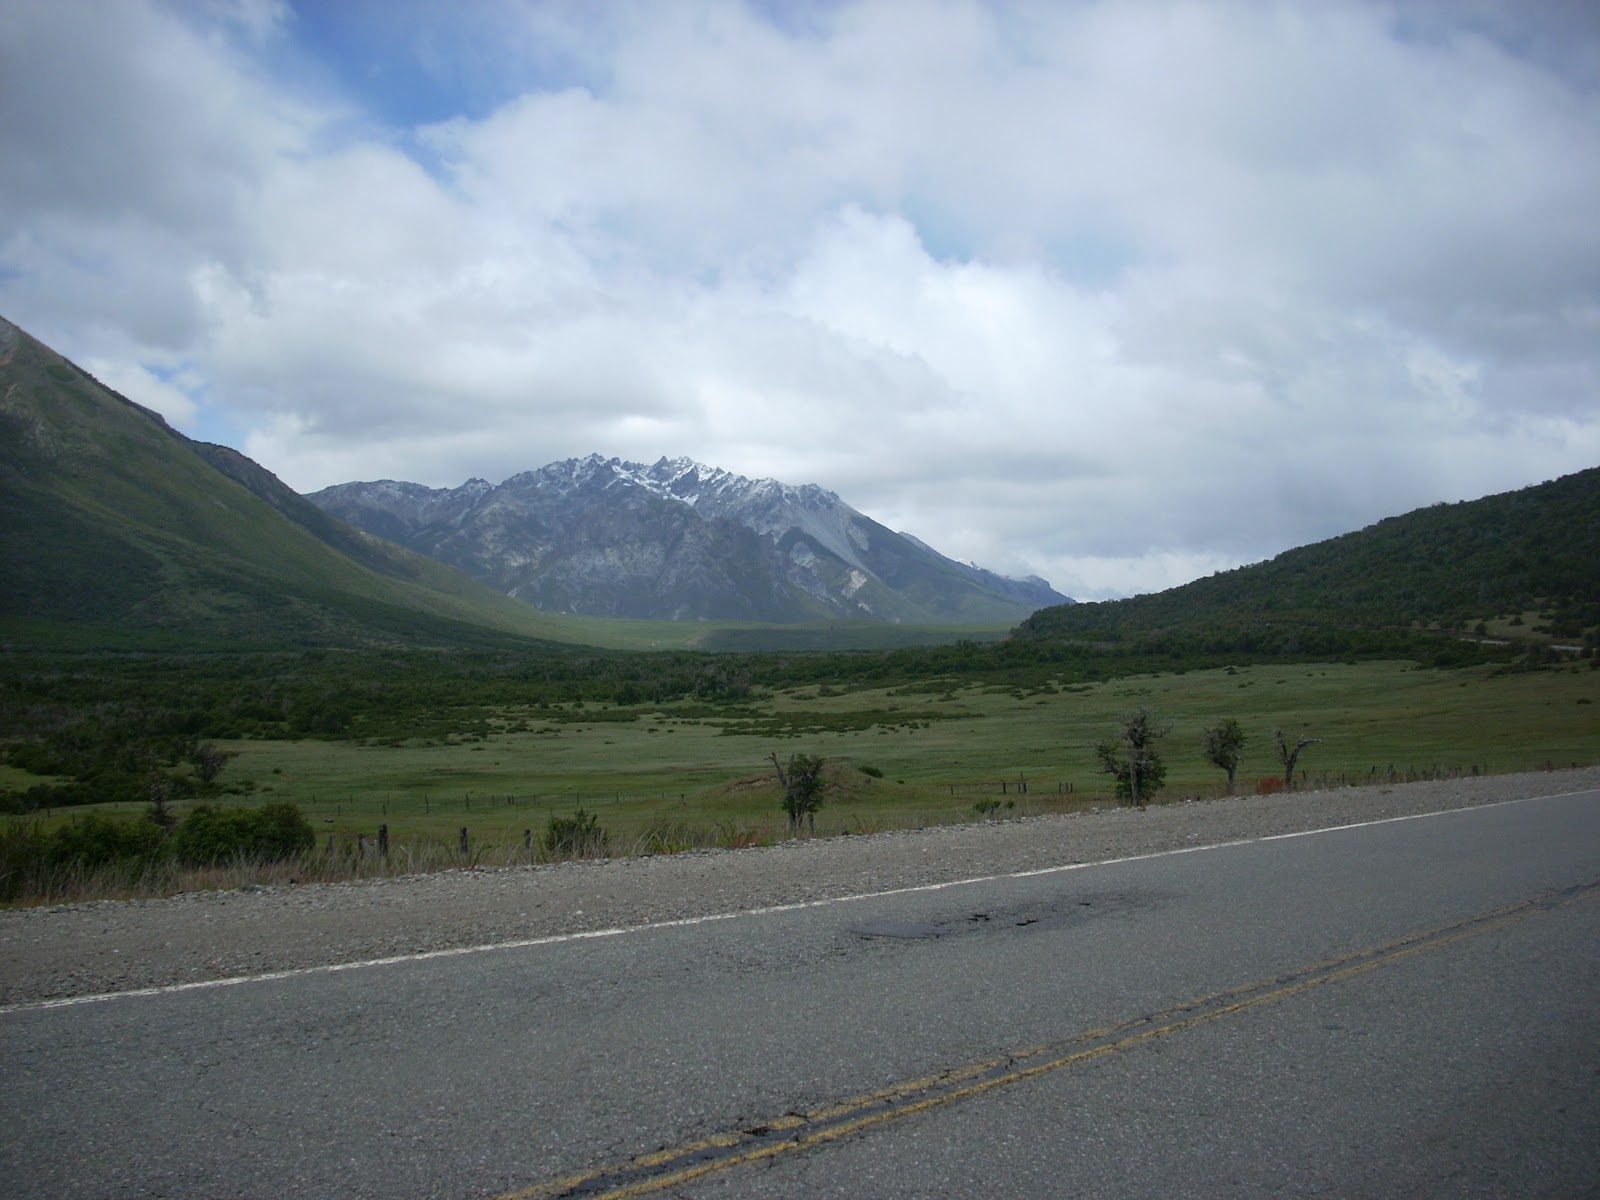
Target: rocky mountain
[[681, 541]]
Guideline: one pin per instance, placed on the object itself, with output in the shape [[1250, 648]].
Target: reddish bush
[[1271, 785]]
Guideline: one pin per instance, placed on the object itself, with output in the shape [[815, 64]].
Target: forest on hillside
[[1447, 567]]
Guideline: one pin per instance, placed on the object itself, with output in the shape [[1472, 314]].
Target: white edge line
[[682, 922]]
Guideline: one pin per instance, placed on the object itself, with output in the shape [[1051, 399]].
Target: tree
[[160, 790], [1224, 747], [1132, 758], [1289, 755], [209, 759], [802, 788]]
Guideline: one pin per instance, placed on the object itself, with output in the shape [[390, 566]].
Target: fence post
[[463, 839], [383, 841], [527, 839]]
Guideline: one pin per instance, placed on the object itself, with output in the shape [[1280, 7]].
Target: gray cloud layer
[[1115, 293]]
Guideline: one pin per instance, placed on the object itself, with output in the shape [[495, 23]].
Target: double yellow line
[[801, 1131]]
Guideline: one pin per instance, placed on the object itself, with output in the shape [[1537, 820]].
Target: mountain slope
[[116, 521], [1437, 566], [677, 540]]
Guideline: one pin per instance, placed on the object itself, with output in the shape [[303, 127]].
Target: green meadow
[[677, 775]]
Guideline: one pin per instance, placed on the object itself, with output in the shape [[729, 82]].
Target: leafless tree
[[1289, 755]]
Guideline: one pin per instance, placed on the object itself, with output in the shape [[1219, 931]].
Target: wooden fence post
[[463, 839], [383, 841]]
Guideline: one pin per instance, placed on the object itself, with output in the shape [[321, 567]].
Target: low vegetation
[[96, 853], [531, 780]]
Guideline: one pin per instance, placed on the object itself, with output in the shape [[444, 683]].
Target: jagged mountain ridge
[[682, 541]]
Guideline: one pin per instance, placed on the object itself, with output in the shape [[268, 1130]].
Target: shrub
[[95, 840], [211, 835], [577, 835], [36, 862], [22, 855]]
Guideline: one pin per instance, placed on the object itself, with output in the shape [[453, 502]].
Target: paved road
[[1401, 1008]]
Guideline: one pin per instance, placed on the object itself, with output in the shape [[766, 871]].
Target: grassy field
[[615, 633], [676, 777]]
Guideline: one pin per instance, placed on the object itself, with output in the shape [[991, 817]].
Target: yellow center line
[[792, 1132]]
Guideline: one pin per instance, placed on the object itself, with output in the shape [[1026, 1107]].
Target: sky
[[1115, 293]]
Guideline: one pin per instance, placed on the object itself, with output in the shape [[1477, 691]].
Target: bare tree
[[1224, 747], [1289, 755]]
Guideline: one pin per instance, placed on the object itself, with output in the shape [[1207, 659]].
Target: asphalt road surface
[[1400, 1008]]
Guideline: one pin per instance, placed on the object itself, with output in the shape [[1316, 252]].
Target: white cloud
[[144, 386], [1115, 293]]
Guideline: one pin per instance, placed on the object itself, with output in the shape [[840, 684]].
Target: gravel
[[80, 950]]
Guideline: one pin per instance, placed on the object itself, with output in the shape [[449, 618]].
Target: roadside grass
[[680, 777]]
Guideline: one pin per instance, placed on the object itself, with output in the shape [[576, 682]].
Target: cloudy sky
[[1119, 293]]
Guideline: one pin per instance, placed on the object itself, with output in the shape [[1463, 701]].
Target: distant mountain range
[[117, 529], [677, 540]]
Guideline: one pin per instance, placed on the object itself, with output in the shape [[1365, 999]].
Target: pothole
[[899, 929]]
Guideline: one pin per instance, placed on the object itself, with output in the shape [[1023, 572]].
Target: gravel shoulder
[[89, 949]]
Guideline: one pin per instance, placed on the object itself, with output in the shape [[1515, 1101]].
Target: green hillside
[[1450, 566], [119, 529]]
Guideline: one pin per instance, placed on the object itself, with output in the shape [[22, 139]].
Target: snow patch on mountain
[[679, 538]]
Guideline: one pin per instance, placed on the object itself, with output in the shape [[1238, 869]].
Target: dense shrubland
[[129, 855]]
